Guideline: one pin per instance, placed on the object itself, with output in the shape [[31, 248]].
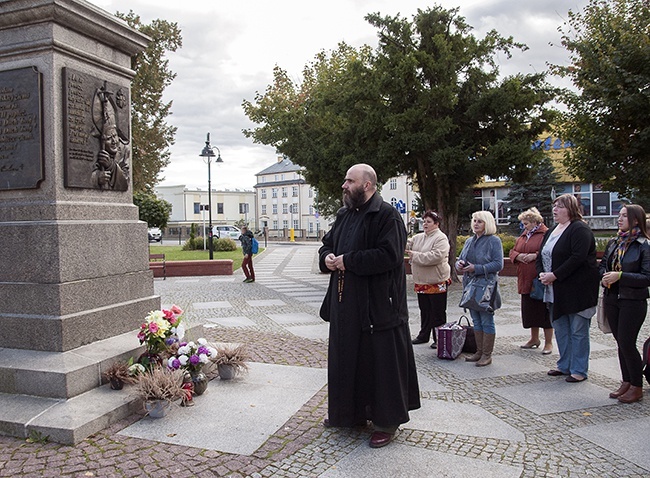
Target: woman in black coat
[[625, 275], [567, 267]]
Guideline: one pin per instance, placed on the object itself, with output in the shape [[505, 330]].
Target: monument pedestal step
[[65, 421]]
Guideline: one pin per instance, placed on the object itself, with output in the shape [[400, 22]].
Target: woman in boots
[[429, 256], [625, 275], [482, 256]]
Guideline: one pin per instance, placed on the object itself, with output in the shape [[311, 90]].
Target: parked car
[[155, 234], [226, 231]]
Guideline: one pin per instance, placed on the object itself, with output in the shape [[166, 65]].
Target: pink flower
[[168, 314], [176, 310], [172, 320], [153, 327]]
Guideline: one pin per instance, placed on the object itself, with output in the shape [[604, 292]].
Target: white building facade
[[190, 206]]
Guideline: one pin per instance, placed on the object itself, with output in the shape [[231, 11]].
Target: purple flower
[[203, 350], [170, 340], [195, 360], [174, 363]]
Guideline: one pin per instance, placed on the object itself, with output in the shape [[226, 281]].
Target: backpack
[[646, 359], [255, 246]]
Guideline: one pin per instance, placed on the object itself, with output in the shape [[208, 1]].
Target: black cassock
[[371, 367]]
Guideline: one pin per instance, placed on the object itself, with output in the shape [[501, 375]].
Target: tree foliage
[[151, 135], [608, 119], [537, 192], [155, 212], [427, 102]]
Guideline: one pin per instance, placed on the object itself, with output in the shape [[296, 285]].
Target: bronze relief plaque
[[21, 129], [97, 133]]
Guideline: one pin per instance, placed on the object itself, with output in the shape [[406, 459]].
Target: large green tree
[[608, 118], [538, 192], [155, 212], [151, 135], [427, 102]]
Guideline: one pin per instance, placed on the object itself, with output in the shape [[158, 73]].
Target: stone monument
[[74, 272]]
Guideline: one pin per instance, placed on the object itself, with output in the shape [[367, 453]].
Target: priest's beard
[[354, 198]]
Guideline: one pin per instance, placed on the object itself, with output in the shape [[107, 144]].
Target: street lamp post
[[209, 154]]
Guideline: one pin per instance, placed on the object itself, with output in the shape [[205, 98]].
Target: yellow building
[[600, 208]]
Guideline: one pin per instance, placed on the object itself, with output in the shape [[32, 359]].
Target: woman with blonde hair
[[567, 267], [482, 258], [534, 313]]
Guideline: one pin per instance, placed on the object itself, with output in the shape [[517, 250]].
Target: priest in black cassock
[[371, 367]]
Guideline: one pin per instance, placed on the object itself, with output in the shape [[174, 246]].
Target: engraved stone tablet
[[97, 133], [21, 150]]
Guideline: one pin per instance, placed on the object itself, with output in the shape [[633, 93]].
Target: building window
[[275, 209], [263, 179], [393, 183], [295, 224], [274, 192], [311, 210], [243, 208], [285, 224], [294, 191], [275, 224], [284, 192], [263, 193], [263, 209], [197, 208], [294, 208], [311, 227], [285, 208], [310, 192], [393, 202], [219, 208], [276, 177]]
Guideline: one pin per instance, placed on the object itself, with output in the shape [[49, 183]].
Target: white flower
[[204, 358], [170, 362], [180, 331], [185, 349], [183, 359], [212, 352], [191, 345], [202, 341]]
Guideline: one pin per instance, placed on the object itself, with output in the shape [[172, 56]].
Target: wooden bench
[[157, 261]]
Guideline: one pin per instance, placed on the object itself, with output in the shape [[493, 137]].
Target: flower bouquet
[[161, 329], [192, 356]]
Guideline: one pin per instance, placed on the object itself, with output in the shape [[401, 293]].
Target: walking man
[[246, 239], [371, 367]]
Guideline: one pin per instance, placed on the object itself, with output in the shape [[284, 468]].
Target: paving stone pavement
[[506, 420]]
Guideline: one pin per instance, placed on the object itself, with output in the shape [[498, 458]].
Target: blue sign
[[400, 206]]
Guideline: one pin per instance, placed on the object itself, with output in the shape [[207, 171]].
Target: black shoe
[[418, 340], [572, 379], [555, 373], [434, 345]]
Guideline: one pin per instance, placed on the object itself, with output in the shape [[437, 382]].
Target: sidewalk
[[506, 420]]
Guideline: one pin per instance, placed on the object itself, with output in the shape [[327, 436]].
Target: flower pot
[[200, 382], [226, 371], [156, 408], [116, 384]]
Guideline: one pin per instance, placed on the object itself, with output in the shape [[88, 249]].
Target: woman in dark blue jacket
[[625, 275]]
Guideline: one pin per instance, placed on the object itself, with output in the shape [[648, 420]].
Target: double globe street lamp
[[208, 152]]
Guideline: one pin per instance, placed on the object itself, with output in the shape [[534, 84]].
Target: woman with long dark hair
[[625, 275]]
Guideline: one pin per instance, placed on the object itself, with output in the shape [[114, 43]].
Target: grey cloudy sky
[[230, 48]]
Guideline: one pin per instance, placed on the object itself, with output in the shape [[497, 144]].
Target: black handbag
[[470, 340], [537, 291]]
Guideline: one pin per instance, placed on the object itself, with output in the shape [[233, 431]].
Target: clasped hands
[[610, 277], [333, 262], [547, 278]]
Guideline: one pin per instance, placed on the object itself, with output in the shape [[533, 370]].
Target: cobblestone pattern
[[302, 447]]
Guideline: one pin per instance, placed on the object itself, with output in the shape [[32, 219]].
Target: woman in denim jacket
[[625, 275], [482, 255]]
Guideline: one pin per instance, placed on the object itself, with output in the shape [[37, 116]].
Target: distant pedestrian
[[625, 276], [246, 240], [567, 267], [534, 313], [428, 253], [371, 367]]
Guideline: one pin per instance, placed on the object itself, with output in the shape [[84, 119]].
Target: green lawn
[[176, 253]]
